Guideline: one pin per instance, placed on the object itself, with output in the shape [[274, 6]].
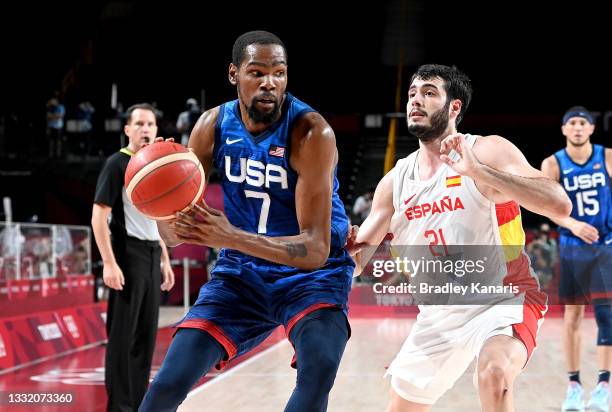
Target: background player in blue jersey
[[282, 235], [584, 170]]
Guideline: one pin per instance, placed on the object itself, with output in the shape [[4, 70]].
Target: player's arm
[[202, 142], [376, 226], [314, 158], [608, 155], [586, 232], [505, 173]]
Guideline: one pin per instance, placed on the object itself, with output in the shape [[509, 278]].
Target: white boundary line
[[230, 372], [52, 357]]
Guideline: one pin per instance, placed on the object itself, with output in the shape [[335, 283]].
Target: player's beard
[[258, 116], [439, 123]]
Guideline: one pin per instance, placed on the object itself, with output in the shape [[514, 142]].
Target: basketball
[[164, 178]]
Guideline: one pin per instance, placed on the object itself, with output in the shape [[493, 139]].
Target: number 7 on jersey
[[265, 208]]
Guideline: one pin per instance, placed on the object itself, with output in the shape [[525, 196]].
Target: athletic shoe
[[574, 401], [599, 398]]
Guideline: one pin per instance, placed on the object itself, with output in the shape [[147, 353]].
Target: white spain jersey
[[448, 216], [447, 204]]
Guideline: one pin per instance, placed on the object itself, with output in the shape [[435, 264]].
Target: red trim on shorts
[[527, 331], [216, 332], [295, 319], [599, 295]]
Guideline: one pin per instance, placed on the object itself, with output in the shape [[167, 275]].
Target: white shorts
[[441, 345]]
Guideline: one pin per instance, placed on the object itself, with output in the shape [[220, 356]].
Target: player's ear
[[232, 72], [456, 107]]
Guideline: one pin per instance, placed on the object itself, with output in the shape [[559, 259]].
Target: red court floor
[[81, 374]]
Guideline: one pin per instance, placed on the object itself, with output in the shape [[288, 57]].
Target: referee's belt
[[150, 243]]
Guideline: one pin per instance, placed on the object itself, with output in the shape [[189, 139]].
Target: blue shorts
[[586, 271], [247, 298]]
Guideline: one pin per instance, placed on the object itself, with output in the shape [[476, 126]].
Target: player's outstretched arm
[[374, 229], [498, 165], [202, 142]]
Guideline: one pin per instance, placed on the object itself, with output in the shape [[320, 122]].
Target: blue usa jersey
[[258, 182], [588, 186]]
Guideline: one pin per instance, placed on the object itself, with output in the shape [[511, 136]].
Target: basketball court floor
[[263, 381]]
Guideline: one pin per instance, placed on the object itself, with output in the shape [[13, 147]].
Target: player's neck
[[256, 128], [579, 154], [429, 158]]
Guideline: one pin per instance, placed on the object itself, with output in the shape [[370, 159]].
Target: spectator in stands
[[55, 125], [79, 263], [541, 261], [187, 119], [548, 242], [362, 206], [84, 116], [542, 251]]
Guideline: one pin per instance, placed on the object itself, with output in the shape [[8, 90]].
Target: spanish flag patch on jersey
[[452, 181]]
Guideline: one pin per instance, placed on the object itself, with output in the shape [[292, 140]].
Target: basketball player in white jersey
[[461, 189]]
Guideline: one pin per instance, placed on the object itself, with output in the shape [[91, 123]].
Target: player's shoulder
[[608, 159], [404, 162], [312, 119], [210, 115], [313, 125], [490, 140], [492, 146], [550, 166], [207, 122]]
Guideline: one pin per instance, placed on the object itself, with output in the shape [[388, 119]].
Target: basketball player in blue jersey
[[584, 170], [282, 236]]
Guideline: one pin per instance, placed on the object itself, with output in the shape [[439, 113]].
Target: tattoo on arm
[[296, 250]]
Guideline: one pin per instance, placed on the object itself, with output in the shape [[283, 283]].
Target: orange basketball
[[164, 178]]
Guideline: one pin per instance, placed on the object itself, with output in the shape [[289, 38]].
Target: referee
[[131, 251]]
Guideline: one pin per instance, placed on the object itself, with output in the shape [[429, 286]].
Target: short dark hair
[[253, 37], [457, 84], [143, 106]]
